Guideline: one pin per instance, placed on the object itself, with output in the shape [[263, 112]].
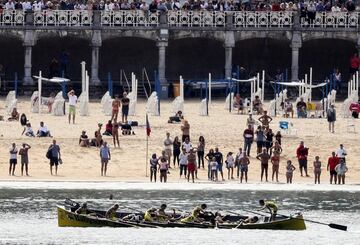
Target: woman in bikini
[[317, 169], [115, 108]]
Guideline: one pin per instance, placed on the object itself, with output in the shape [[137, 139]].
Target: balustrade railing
[[12, 18], [129, 18], [63, 18], [259, 19], [182, 19], [196, 19], [332, 20]]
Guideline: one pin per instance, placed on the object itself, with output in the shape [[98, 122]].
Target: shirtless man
[[265, 120], [243, 165], [115, 134], [264, 159], [115, 108]]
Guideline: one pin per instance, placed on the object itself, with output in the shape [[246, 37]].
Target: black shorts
[[54, 161], [333, 173], [125, 110], [13, 161], [302, 163], [260, 144]]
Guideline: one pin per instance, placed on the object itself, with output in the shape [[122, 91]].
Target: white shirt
[[341, 153], [43, 129], [72, 100], [214, 165], [10, 6], [13, 155], [187, 147], [183, 159]]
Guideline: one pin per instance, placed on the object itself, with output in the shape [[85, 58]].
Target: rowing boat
[[95, 218]]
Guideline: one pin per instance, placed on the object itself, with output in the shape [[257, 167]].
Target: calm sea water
[[28, 216]]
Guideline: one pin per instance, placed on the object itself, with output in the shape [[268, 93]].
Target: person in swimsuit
[[341, 169], [23, 152], [244, 166], [154, 162], [264, 159], [111, 212], [115, 134], [289, 172], [115, 108], [317, 169], [176, 151], [191, 165], [278, 137], [275, 160], [276, 149], [167, 147], [125, 101], [265, 120], [213, 167], [163, 169]]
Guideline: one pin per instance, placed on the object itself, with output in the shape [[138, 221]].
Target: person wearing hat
[[72, 105], [125, 101], [331, 118], [84, 139]]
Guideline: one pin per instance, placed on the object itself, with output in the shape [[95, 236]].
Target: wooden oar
[[331, 225]]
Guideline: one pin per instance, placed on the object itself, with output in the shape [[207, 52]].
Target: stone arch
[[256, 54], [187, 34], [194, 58], [131, 33], [51, 45], [130, 54], [11, 55], [325, 54], [345, 36], [258, 34]]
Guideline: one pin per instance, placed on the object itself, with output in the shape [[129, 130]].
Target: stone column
[[29, 42], [96, 42], [229, 44], [162, 68], [295, 45]]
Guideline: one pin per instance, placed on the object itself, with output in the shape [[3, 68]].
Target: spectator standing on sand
[[341, 169], [72, 105], [54, 156], [209, 157], [154, 162], [168, 148], [265, 120], [219, 159], [331, 118], [115, 108], [105, 156], [191, 167], [264, 160], [201, 151], [333, 161], [13, 159], [176, 150], [186, 145], [289, 172], [275, 160], [238, 157], [244, 167], [163, 168], [317, 169], [341, 153], [230, 162], [248, 139], [23, 152], [125, 101], [185, 129], [250, 121], [183, 162], [301, 154], [260, 139]]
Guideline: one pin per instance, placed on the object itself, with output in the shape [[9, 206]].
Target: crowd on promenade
[[306, 8]]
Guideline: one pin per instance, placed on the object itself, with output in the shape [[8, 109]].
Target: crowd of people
[[189, 157], [306, 8]]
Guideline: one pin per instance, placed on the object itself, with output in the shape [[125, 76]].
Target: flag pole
[[147, 146]]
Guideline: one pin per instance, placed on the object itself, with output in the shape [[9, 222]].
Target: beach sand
[[220, 129]]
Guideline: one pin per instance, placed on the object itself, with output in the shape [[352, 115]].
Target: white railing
[[332, 20], [63, 18], [263, 19], [196, 19], [12, 18], [129, 18]]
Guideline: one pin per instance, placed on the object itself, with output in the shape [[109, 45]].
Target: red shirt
[[354, 62], [301, 152], [332, 162]]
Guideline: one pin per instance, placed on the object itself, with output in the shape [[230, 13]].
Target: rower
[[150, 214], [194, 217], [250, 220], [111, 213], [271, 206], [161, 214], [82, 210]]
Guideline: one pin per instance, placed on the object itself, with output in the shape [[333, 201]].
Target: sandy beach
[[220, 129]]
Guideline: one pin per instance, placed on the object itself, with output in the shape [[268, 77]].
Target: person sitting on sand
[[265, 119], [28, 130], [84, 139], [126, 129], [115, 134], [177, 118], [238, 103], [301, 108], [257, 105], [43, 131], [14, 115], [108, 128], [288, 107], [111, 212]]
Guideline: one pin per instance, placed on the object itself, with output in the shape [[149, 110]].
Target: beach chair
[[287, 127]]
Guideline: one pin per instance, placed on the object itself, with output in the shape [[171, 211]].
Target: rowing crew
[[197, 215]]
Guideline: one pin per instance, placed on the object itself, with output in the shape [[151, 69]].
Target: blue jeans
[[247, 146]]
